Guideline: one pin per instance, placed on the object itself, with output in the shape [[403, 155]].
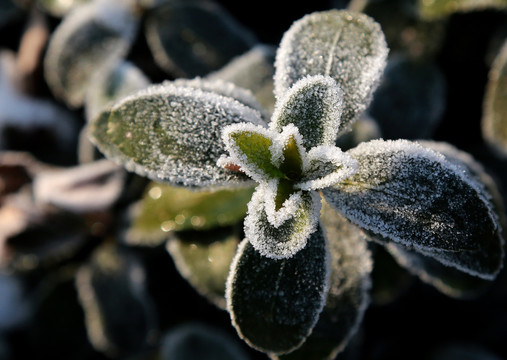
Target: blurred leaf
[[414, 197], [119, 316], [434, 9], [410, 101], [275, 304], [111, 84], [347, 298], [18, 169], [254, 71], [15, 306], [165, 208], [86, 188], [204, 259], [494, 122], [339, 44], [192, 38], [172, 133], [194, 341], [86, 40], [60, 8]]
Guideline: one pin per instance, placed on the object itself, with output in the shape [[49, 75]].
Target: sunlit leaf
[[192, 38], [410, 101], [194, 341], [314, 106], [119, 316], [349, 47], [414, 197], [89, 38], [165, 208], [274, 304], [347, 298], [432, 9], [172, 133], [254, 71], [204, 259], [494, 122]]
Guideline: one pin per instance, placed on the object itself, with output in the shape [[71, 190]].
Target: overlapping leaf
[[172, 133], [412, 196], [349, 47], [274, 304]]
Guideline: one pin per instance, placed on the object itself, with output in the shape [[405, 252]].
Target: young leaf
[[414, 197], [192, 38], [313, 104], [347, 298], [274, 304], [204, 259], [281, 233], [88, 38], [254, 71], [349, 47], [172, 133], [494, 122]]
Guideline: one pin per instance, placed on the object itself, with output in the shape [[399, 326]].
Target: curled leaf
[[172, 133], [414, 197], [349, 47], [274, 304]]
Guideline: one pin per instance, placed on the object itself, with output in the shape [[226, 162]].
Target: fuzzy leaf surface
[[494, 122], [414, 197], [349, 47], [274, 304], [314, 106], [86, 40], [172, 133]]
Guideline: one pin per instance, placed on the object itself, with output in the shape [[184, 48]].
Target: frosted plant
[[300, 263]]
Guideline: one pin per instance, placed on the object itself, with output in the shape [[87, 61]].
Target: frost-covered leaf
[[172, 133], [410, 101], [113, 82], [347, 46], [314, 105], [253, 70], [281, 233], [434, 9], [86, 188], [165, 208], [204, 259], [87, 39], [194, 341], [192, 38], [119, 316], [494, 122], [274, 304], [60, 8], [347, 298], [449, 281], [413, 196]]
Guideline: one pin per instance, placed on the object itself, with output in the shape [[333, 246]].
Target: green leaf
[[165, 208], [192, 38], [117, 328], [432, 9], [450, 281], [313, 104], [111, 84], [274, 304], [281, 233], [193, 341], [172, 133], [84, 42], [347, 46], [347, 298], [204, 259], [254, 71], [494, 122], [414, 197]]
